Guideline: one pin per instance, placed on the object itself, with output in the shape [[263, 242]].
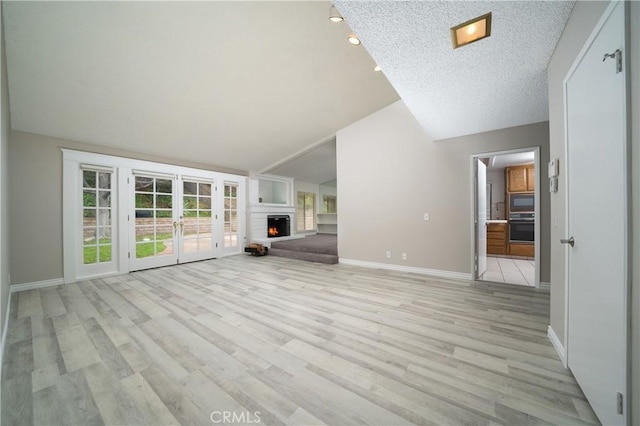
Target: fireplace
[[278, 226]]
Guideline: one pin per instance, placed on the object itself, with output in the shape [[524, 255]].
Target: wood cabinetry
[[521, 178], [496, 238], [522, 249]]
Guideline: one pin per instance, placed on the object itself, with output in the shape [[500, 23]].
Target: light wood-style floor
[[284, 342]]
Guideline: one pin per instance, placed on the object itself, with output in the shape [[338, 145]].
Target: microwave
[[522, 202]]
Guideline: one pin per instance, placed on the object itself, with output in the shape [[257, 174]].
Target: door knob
[[569, 241], [175, 227]]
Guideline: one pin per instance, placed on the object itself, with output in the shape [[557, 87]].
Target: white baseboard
[[557, 345], [412, 269], [37, 284]]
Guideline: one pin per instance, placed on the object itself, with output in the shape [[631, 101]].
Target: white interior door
[[481, 215], [597, 220]]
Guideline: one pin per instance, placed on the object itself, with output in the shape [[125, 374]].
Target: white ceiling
[[317, 165], [494, 83], [235, 84], [499, 162]]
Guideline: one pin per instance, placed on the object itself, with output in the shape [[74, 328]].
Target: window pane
[[144, 184], [89, 236], [88, 179], [204, 203], [205, 244], [190, 226], [104, 198], [163, 201], [104, 180], [89, 255], [142, 214], [89, 198], [144, 201], [104, 253], [164, 185], [205, 189], [164, 213], [104, 217], [104, 235], [190, 188], [145, 233], [189, 202]]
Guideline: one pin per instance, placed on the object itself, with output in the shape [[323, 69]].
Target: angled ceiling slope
[[495, 83], [235, 84]]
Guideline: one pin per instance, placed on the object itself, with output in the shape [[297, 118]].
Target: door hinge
[[127, 180], [129, 255], [128, 218], [620, 403], [216, 216], [617, 56]]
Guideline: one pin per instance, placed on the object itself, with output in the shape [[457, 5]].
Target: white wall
[[390, 174], [496, 179], [4, 186]]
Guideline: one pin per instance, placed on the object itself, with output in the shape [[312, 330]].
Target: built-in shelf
[[327, 223]]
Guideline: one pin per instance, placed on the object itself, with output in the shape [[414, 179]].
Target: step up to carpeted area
[[321, 248]]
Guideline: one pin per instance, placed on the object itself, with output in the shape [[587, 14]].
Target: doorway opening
[[505, 217]]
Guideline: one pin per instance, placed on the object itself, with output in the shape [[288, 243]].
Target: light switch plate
[[554, 168]]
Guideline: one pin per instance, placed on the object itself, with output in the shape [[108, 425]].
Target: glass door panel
[[97, 241], [196, 221], [154, 226], [230, 215]]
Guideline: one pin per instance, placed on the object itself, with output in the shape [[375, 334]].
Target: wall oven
[[522, 227], [522, 202]]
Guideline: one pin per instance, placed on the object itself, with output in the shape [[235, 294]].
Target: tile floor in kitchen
[[513, 271]]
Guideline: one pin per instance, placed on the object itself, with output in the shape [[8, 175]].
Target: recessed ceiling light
[[377, 68], [334, 15], [470, 31], [353, 39]]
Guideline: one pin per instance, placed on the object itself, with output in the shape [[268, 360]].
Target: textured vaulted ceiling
[[494, 83], [236, 84]]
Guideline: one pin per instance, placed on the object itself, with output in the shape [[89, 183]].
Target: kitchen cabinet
[[497, 238], [521, 178], [522, 249]]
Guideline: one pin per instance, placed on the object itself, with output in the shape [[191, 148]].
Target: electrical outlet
[[388, 253], [404, 256], [426, 216]]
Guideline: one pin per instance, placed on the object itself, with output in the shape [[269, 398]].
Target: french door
[[171, 220], [122, 215]]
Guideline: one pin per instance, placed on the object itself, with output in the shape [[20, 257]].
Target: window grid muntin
[[197, 204], [230, 215], [97, 217], [157, 235]]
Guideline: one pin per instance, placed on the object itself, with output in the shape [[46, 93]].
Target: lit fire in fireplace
[[273, 231]]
